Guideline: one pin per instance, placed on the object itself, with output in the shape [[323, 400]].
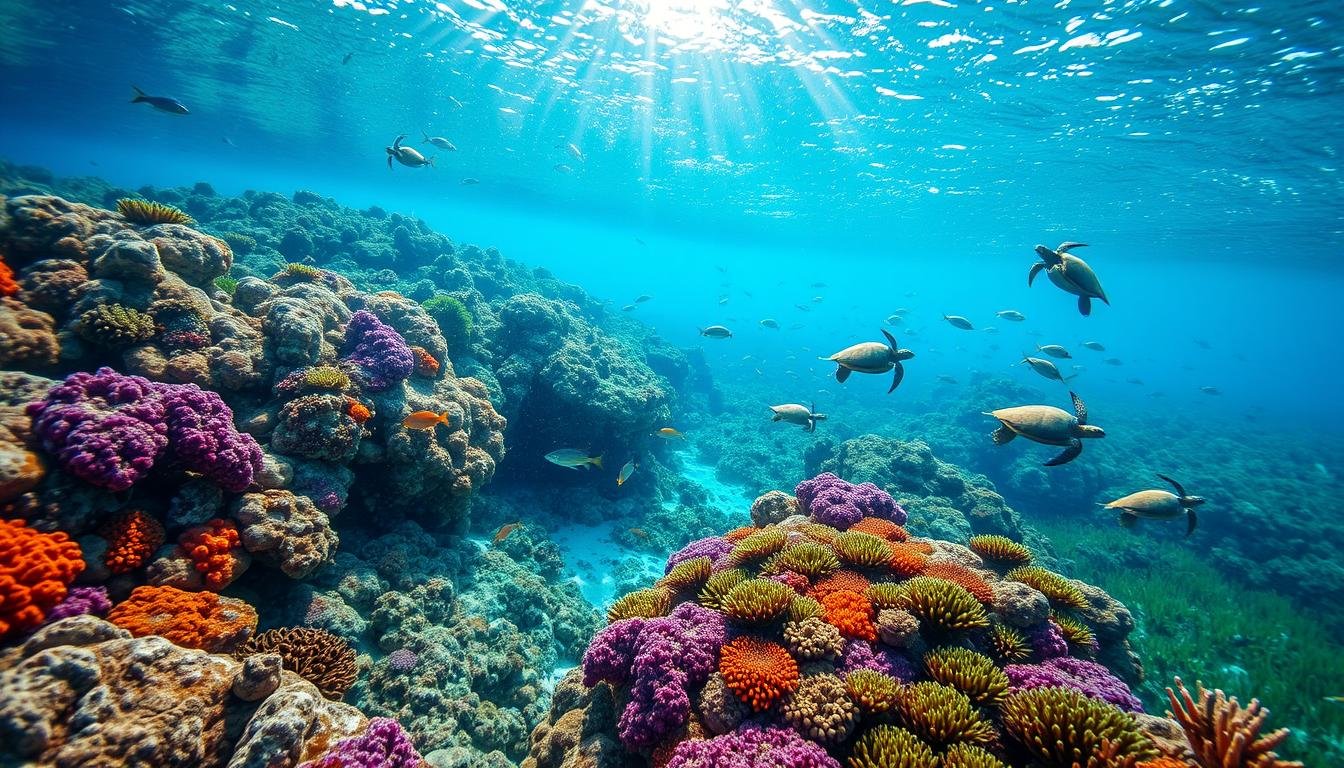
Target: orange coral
[[1223, 733], [35, 569], [190, 619], [849, 581], [738, 534], [1163, 762], [8, 287], [967, 578], [758, 671], [881, 528], [132, 538], [851, 613], [907, 559], [210, 548], [357, 410], [425, 364]]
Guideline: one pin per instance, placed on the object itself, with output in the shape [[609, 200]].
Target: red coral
[[758, 671], [848, 581], [907, 559], [960, 574], [190, 619], [357, 410], [796, 580], [425, 364], [738, 534], [881, 528], [851, 613], [35, 570], [210, 548], [132, 538], [8, 286]]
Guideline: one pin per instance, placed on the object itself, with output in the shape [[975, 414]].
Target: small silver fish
[[469, 181], [1095, 346], [573, 458], [161, 103], [562, 168], [1053, 350], [957, 321], [626, 472], [439, 142], [1011, 314], [770, 323], [643, 297], [716, 332], [628, 308]]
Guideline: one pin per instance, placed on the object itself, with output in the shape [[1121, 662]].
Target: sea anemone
[[847, 581], [1062, 728], [325, 377], [757, 601], [967, 578], [299, 272], [1223, 734], [941, 715], [758, 671], [642, 603], [874, 692], [819, 532], [226, 284], [941, 606], [1075, 631], [718, 586], [862, 549], [809, 558], [147, 213], [688, 574], [970, 756], [1008, 645], [851, 613], [881, 528], [886, 746], [1060, 590], [804, 607], [452, 316], [820, 709], [974, 674], [757, 546], [1000, 549], [739, 533], [886, 594]]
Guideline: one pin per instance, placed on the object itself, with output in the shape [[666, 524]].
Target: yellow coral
[[147, 212]]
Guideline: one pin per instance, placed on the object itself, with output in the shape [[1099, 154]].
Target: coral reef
[[316, 655], [35, 571], [148, 212]]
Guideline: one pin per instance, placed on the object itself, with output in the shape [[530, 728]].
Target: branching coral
[[132, 537], [941, 715], [115, 325], [974, 674], [886, 746], [1060, 590], [1000, 549], [316, 655], [941, 606], [873, 692], [1224, 735], [757, 601], [202, 620], [147, 213], [643, 603], [35, 571], [758, 671], [1061, 728], [862, 549]]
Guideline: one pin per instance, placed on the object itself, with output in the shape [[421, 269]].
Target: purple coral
[[80, 601], [859, 654], [109, 430], [713, 547], [382, 745], [1048, 641], [752, 746], [402, 660], [840, 503], [662, 659], [381, 353], [1086, 677]]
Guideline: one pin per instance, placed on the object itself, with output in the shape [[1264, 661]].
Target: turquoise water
[[825, 165]]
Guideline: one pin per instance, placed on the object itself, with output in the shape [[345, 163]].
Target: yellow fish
[[626, 472], [424, 420], [504, 531], [669, 433]]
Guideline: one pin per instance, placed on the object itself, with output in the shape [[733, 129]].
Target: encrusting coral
[[203, 620], [35, 571]]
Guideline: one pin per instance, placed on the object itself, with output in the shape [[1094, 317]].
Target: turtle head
[[903, 354], [1089, 430], [1192, 501], [1047, 255]]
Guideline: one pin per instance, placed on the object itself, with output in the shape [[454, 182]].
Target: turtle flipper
[[389, 162], [811, 425], [1035, 270], [896, 377], [1127, 519], [1085, 305], [1003, 435], [1079, 407], [842, 373], [1179, 490], [1191, 521], [1069, 246], [1068, 454], [891, 340]]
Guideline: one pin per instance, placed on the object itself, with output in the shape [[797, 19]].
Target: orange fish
[[504, 531], [639, 533], [424, 420], [668, 433]]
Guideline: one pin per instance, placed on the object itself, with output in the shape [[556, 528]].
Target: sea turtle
[[1158, 505], [794, 413], [872, 357], [1070, 273], [406, 156], [1048, 425]]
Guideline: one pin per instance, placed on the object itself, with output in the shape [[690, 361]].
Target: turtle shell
[[1160, 505], [1077, 272], [792, 413], [867, 357], [1042, 423]]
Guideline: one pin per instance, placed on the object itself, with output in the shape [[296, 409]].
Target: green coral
[[970, 756], [887, 746], [1061, 727], [718, 586], [757, 600], [688, 574], [326, 377], [758, 545], [239, 242], [642, 603], [1060, 590], [226, 284], [1008, 645], [115, 325], [941, 606], [874, 692], [809, 558], [295, 271], [942, 716], [862, 549], [803, 608], [972, 673], [453, 317], [147, 212]]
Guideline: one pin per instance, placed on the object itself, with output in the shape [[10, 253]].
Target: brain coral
[[35, 570], [202, 620]]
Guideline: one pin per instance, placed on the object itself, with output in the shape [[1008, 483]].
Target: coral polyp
[[941, 715], [644, 603], [1061, 727], [972, 673], [147, 212], [811, 559], [1060, 590], [1000, 549], [757, 601], [941, 606]]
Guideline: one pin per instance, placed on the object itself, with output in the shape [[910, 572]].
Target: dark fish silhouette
[[161, 103]]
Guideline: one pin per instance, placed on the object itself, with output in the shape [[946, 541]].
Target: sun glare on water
[[684, 20]]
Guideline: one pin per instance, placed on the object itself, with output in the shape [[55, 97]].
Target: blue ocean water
[[838, 167]]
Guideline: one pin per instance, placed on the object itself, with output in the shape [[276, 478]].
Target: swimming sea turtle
[[1069, 273], [1048, 425], [1158, 505], [872, 357], [793, 413], [406, 156]]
